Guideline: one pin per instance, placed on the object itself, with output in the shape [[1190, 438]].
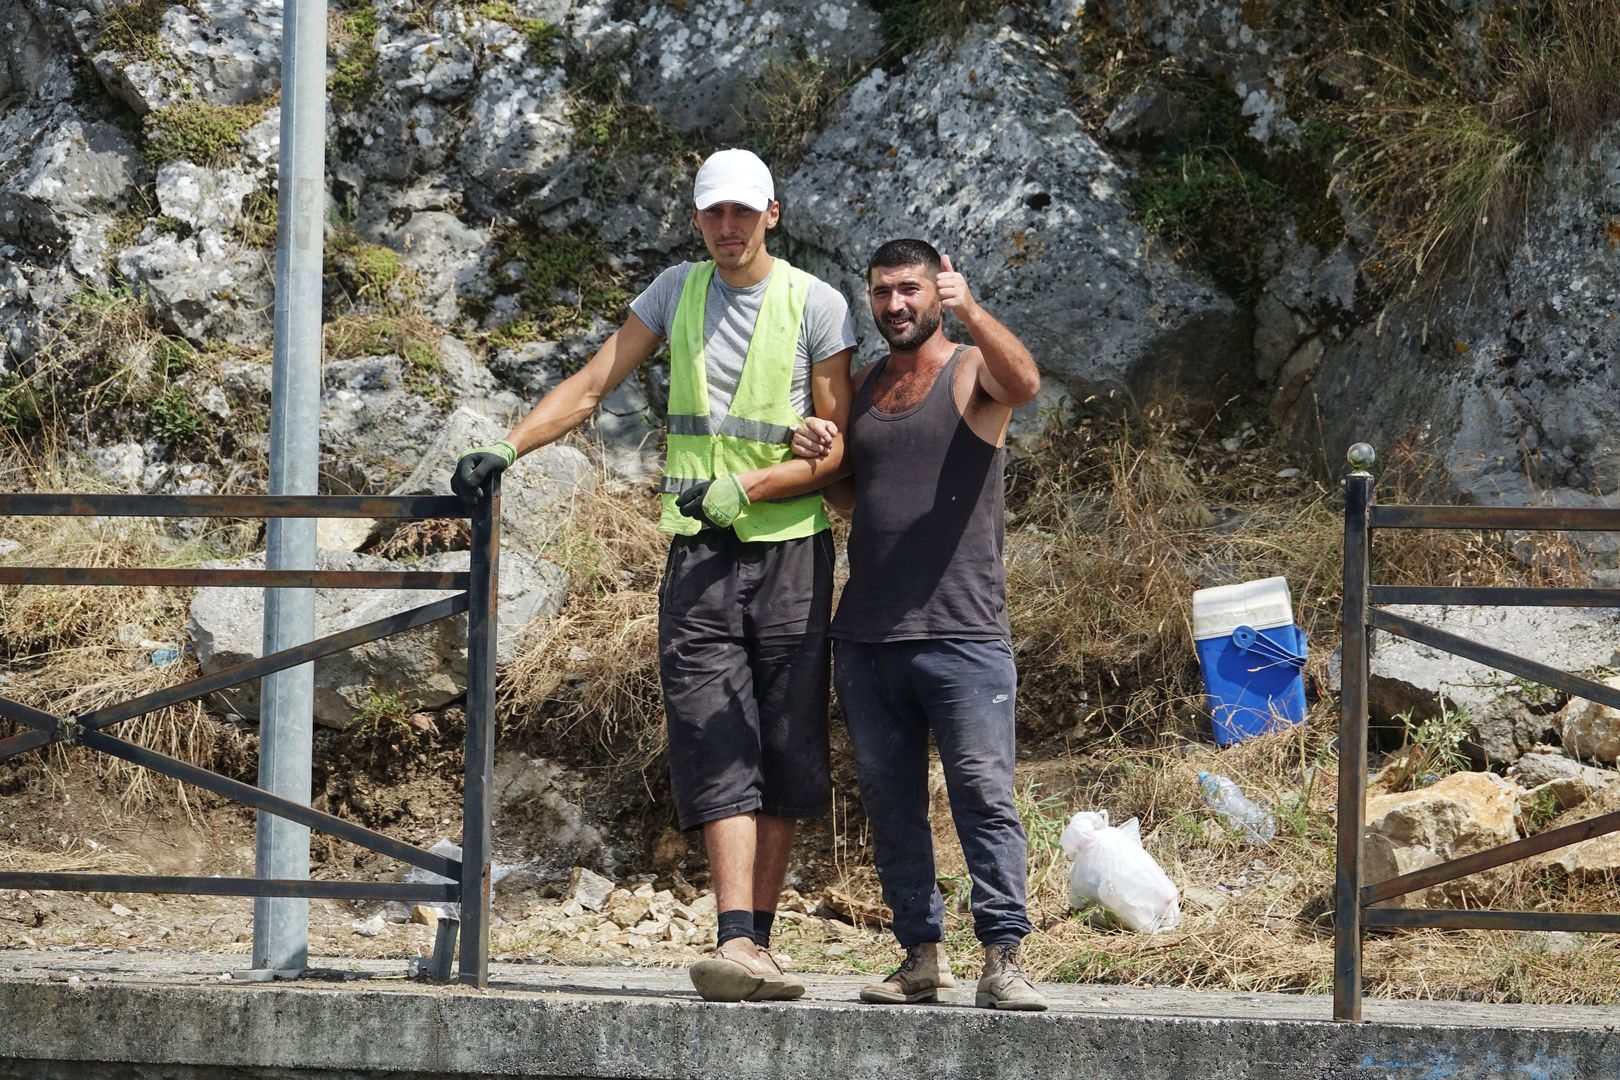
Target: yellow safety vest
[[759, 425]]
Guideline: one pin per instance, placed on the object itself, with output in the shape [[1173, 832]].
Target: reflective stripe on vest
[[758, 427]]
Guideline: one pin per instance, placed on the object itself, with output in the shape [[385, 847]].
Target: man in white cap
[[755, 346]]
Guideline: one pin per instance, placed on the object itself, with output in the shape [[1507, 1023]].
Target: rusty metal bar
[[1448, 919], [443, 581], [403, 891], [1500, 855], [1516, 518], [1503, 661], [233, 506], [196, 688], [1352, 745], [260, 799], [1464, 596], [479, 765], [26, 714]]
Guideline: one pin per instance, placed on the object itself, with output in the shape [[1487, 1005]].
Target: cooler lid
[[1262, 604]]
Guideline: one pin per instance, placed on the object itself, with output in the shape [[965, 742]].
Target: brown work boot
[[924, 972], [739, 971], [1004, 985]]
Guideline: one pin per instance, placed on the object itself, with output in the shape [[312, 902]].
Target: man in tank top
[[921, 640], [755, 345]]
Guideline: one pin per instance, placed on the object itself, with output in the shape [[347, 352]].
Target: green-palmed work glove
[[475, 468], [716, 501]]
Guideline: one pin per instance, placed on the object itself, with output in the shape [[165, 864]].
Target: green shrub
[[354, 77], [540, 265], [172, 417], [258, 223], [172, 357], [542, 36], [1445, 144], [198, 132], [132, 29], [908, 25], [784, 104], [380, 717]]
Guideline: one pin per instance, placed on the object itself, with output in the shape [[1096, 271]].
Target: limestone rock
[[589, 889], [372, 428], [1597, 859], [1591, 730], [971, 148], [1507, 718], [446, 256], [532, 491], [1515, 398], [515, 148], [426, 665], [1541, 767], [203, 197], [61, 177], [696, 64], [546, 803], [224, 52], [204, 287], [1458, 815]]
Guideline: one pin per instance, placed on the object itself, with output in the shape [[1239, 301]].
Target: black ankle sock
[[735, 924], [762, 928]]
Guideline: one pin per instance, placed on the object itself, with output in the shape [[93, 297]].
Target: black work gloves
[[475, 468]]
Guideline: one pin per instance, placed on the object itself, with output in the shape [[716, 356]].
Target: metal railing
[[469, 882], [1365, 611]]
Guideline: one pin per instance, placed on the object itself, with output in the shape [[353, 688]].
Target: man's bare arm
[[572, 401], [830, 396], [1008, 374]]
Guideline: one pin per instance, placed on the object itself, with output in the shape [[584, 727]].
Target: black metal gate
[[469, 883], [1364, 612]]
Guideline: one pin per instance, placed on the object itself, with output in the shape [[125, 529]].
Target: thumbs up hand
[[954, 295]]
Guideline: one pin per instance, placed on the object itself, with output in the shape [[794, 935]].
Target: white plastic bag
[[1113, 871]]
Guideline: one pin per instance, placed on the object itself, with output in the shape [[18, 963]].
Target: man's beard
[[913, 334]]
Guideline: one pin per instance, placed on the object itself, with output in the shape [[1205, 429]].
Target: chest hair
[[897, 392]]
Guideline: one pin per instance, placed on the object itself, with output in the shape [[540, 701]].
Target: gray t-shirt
[[728, 324]]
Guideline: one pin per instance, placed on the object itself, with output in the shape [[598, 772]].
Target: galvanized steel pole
[[286, 712]]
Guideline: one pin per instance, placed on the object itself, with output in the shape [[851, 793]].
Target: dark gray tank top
[[926, 541]]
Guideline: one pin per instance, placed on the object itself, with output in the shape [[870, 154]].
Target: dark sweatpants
[[894, 694]]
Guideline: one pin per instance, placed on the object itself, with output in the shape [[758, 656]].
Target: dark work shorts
[[743, 658]]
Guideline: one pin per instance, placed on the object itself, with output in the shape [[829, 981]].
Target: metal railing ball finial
[[1361, 457]]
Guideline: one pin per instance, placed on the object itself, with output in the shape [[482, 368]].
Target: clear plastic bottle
[[1236, 808]]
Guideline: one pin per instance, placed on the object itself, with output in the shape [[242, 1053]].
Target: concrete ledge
[[92, 1016]]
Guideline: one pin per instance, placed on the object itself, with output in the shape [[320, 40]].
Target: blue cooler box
[[1252, 656]]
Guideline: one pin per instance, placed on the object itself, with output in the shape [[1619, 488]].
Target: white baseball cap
[[736, 176]]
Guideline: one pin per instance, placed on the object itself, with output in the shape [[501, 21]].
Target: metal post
[[281, 926], [480, 751], [1352, 741]]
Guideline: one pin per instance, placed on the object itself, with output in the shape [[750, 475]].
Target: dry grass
[[1445, 142], [592, 674], [1115, 522], [73, 857], [70, 650]]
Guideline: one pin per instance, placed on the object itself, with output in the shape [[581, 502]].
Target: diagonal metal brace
[[46, 724], [1573, 685]]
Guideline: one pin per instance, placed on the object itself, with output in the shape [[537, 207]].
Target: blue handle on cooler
[[1250, 640]]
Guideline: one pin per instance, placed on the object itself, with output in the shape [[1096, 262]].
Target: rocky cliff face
[[503, 175]]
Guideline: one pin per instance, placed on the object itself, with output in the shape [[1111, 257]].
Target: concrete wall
[[600, 1025]]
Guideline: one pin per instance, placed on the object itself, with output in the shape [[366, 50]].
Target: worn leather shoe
[[739, 970], [924, 972], [1004, 985]]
